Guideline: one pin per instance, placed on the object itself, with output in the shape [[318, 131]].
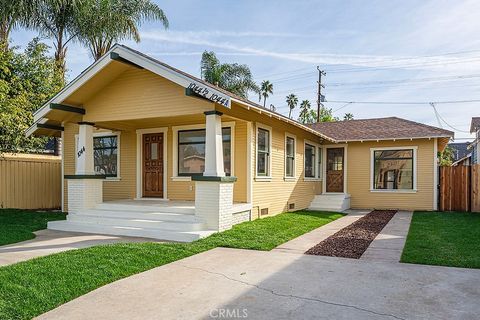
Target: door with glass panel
[[335, 172], [153, 165]]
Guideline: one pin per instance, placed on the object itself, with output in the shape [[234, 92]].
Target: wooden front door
[[335, 161], [152, 163]]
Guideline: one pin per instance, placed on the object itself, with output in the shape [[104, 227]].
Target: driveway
[[282, 285]]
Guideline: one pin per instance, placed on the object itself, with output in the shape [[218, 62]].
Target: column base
[[84, 193]]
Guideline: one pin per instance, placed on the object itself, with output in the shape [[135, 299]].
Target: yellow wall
[[359, 166], [30, 181]]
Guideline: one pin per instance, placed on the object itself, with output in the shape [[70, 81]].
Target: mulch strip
[[353, 240]]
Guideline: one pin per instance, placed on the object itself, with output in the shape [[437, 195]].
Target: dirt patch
[[353, 240]]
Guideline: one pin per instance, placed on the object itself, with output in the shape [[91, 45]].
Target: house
[[135, 129], [461, 153], [474, 146]]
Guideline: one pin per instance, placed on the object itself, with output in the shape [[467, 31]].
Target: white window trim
[[345, 167], [294, 176], [318, 175], [140, 133], [372, 169], [229, 124], [268, 177], [106, 134]]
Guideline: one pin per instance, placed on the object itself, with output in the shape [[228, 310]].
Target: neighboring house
[[156, 134], [461, 153], [475, 145]]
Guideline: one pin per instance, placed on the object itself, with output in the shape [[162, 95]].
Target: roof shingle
[[378, 129]]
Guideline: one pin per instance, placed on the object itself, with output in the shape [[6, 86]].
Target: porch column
[[85, 189], [213, 145], [213, 190]]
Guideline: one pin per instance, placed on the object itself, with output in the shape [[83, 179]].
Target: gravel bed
[[353, 240]]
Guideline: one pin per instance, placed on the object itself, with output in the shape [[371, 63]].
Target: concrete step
[[330, 202], [137, 222], [180, 208], [160, 234], [142, 215]]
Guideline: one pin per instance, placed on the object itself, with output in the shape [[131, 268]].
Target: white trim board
[[139, 178], [267, 177]]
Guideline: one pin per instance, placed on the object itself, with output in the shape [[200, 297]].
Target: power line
[[404, 102]]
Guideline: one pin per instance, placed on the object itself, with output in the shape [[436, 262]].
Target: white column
[[213, 145], [84, 152]]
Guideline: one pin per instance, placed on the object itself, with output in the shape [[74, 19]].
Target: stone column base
[[84, 193], [214, 201]]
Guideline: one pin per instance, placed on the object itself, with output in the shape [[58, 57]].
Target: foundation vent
[[264, 211], [291, 206]]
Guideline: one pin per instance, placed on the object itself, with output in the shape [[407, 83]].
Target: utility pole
[[320, 97]]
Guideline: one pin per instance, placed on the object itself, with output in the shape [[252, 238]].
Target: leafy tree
[[446, 156], [348, 116], [111, 21], [266, 89], [14, 13], [292, 101], [233, 77], [326, 115], [27, 80]]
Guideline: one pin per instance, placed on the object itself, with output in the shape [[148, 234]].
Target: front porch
[[156, 219]]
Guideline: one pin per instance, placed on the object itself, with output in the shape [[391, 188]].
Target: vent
[[291, 206], [263, 211]]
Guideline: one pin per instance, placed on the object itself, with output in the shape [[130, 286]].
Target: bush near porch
[[444, 238], [33, 287]]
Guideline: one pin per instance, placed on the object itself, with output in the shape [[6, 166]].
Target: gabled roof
[[460, 150], [391, 128], [475, 125]]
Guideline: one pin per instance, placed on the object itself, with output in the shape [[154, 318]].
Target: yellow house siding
[[359, 176]]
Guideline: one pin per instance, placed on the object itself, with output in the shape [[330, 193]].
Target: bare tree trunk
[[4, 33]]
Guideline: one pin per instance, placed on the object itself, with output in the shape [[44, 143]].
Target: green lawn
[[444, 238], [30, 288], [18, 225]]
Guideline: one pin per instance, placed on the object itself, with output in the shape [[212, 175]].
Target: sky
[[391, 51]]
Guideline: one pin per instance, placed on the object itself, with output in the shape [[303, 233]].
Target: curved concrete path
[[50, 241], [280, 285]]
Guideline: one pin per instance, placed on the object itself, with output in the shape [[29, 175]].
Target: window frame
[[268, 175], [294, 173], [201, 126], [318, 165], [414, 169]]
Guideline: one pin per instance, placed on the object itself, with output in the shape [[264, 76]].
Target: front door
[[335, 159], [153, 165]]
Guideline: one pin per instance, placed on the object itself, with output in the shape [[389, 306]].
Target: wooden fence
[[30, 181], [459, 188]]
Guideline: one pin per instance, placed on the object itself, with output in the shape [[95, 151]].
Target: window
[[393, 169], [263, 152], [290, 157], [310, 161], [105, 155], [191, 151]]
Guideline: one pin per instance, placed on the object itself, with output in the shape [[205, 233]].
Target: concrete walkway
[[50, 241], [389, 243], [279, 285], [303, 243]]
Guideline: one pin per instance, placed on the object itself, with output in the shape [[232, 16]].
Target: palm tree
[[292, 101], [14, 13], [233, 77], [304, 111], [266, 89], [111, 21]]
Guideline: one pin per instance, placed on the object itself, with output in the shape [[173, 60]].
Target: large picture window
[[191, 151], [105, 155], [263, 152], [310, 162], [393, 169], [290, 157]]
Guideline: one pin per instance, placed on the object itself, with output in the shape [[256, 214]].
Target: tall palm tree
[[111, 21], [266, 89], [14, 13], [233, 77], [304, 111], [292, 101]]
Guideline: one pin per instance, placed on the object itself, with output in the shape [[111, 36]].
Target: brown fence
[[459, 188], [30, 181]]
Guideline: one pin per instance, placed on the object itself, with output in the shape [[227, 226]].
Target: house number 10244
[[80, 152]]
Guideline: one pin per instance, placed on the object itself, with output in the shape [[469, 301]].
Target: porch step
[[152, 214], [330, 202], [107, 218], [160, 234], [186, 208]]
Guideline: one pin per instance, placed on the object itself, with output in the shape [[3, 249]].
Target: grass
[[444, 238], [30, 288], [19, 225]]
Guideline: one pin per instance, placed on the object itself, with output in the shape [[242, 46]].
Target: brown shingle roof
[[378, 129], [475, 124]]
